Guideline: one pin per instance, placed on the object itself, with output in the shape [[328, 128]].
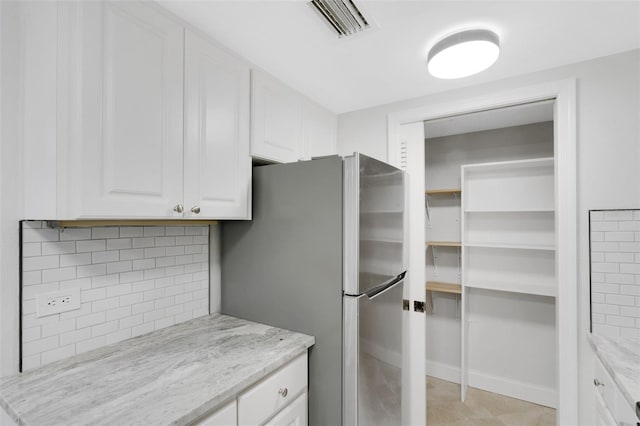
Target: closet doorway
[[498, 180]]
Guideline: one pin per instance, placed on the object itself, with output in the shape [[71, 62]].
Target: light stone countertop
[[169, 377], [621, 358]]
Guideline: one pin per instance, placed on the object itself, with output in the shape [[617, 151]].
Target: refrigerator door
[[373, 223], [373, 358]]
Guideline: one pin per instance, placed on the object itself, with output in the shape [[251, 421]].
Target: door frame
[[564, 93]]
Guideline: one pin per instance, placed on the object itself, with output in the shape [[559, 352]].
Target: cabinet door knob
[[283, 392], [178, 208], [597, 382], [195, 209]]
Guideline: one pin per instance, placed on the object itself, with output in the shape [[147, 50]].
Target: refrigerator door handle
[[371, 294]]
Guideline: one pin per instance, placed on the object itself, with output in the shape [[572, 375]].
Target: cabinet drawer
[[225, 416], [266, 398], [294, 414]]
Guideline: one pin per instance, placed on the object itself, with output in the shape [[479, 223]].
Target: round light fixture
[[463, 54]]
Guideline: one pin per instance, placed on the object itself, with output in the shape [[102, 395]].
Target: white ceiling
[[288, 40]]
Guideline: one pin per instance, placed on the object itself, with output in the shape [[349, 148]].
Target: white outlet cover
[[57, 301]]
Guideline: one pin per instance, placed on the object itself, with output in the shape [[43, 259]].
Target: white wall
[[608, 145]]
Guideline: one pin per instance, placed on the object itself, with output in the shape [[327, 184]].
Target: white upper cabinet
[[126, 160], [158, 121], [320, 131], [217, 165], [276, 120]]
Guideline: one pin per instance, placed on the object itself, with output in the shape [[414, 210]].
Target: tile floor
[[481, 408]]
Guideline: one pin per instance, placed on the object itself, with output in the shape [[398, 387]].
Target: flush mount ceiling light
[[463, 54]]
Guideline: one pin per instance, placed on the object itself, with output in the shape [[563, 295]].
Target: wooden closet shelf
[[443, 287], [443, 191], [444, 243]]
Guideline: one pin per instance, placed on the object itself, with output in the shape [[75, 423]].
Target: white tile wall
[[132, 280], [615, 272]]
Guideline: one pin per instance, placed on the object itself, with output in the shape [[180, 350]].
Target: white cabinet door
[[127, 153], [320, 131], [226, 416], [276, 120], [295, 414], [217, 163]]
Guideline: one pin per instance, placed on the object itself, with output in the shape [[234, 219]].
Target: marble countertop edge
[[162, 371]]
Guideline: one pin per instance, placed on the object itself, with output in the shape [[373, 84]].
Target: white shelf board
[[381, 211], [527, 210], [511, 246], [536, 289], [380, 240], [502, 165]]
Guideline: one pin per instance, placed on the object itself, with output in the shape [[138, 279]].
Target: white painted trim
[[564, 92], [496, 384], [442, 371]]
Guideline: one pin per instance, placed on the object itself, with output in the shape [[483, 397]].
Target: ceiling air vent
[[342, 16]]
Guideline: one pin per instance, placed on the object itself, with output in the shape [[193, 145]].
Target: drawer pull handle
[[597, 382], [283, 392]]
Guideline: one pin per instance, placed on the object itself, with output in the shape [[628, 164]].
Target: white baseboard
[[386, 355], [515, 389], [496, 384], [477, 379], [442, 371]]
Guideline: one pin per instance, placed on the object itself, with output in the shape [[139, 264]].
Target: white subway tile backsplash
[[105, 256], [90, 245], [58, 354], [58, 327], [31, 249], [58, 247], [132, 280], [61, 274], [141, 329], [615, 267], [40, 263], [143, 242], [89, 344], [119, 244], [91, 270], [131, 231], [118, 336], [91, 319], [105, 232], [117, 267], [74, 234], [75, 336], [75, 259], [154, 231], [31, 277]]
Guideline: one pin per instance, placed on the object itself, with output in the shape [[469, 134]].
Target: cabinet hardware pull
[[178, 208], [283, 392], [195, 209], [597, 382]]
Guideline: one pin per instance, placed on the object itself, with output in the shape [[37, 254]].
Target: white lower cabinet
[[225, 416], [611, 407], [280, 399], [293, 415], [272, 394]]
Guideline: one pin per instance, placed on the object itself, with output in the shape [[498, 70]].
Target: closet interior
[[490, 252]]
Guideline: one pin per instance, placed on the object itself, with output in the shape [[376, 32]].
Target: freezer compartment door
[[373, 358], [374, 223]]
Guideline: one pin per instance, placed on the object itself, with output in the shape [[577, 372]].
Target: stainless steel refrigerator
[[324, 255]]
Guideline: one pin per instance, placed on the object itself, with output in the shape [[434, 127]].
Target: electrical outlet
[[57, 301]]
